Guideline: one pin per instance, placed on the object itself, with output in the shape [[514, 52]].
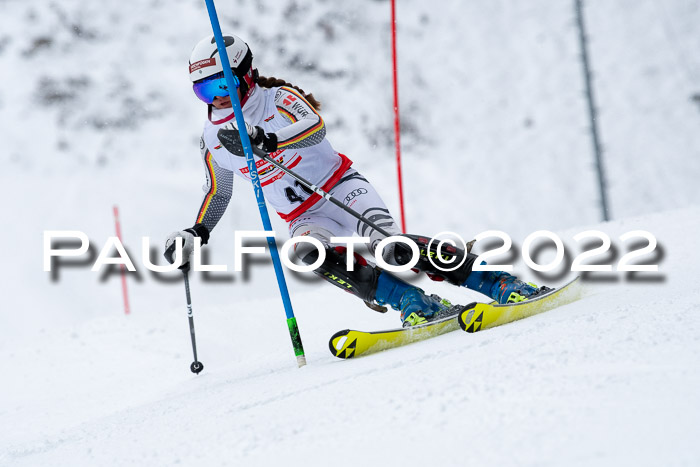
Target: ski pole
[[232, 83], [233, 142], [196, 366]]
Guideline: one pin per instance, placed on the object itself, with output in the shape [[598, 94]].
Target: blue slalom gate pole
[[232, 83]]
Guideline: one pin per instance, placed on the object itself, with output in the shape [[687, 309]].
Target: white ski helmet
[[205, 61]]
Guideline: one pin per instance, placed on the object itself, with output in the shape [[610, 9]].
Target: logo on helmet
[[237, 57], [202, 64]]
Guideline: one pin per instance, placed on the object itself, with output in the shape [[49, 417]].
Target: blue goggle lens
[[208, 88]]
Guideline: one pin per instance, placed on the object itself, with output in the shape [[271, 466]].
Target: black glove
[[187, 235], [265, 141], [231, 139]]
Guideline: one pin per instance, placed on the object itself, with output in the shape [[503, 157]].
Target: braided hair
[[273, 82]]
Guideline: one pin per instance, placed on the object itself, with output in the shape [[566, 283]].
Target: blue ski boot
[[502, 287], [415, 307]]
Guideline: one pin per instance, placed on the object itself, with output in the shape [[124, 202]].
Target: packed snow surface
[[601, 381], [96, 111]]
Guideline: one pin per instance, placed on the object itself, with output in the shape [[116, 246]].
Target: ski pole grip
[[231, 140]]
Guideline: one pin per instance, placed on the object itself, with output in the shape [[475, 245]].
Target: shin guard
[[442, 261], [361, 282]]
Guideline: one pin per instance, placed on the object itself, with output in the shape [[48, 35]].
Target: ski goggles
[[211, 87]]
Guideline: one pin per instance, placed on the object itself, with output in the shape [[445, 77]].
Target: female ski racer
[[284, 121]]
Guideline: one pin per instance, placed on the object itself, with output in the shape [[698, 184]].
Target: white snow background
[[96, 110]]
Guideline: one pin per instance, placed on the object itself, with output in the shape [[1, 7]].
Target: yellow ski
[[349, 344], [483, 316], [474, 317]]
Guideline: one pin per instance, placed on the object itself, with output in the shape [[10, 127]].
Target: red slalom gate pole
[[397, 124], [119, 236]]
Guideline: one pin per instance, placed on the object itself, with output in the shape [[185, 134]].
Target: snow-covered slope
[[613, 379], [96, 111]]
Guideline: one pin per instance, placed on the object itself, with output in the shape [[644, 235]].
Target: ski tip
[[344, 332], [340, 346], [466, 316]]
